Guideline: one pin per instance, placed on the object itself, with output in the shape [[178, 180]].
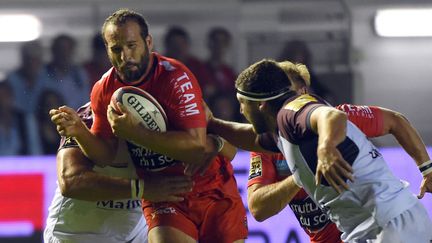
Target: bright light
[[404, 22], [19, 27]]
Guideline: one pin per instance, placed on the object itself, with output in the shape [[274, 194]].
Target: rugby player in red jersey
[[213, 211]]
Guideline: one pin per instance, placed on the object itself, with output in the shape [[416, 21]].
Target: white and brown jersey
[[110, 221], [375, 196]]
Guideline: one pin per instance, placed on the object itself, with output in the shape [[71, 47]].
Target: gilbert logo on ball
[[142, 106], [150, 113]]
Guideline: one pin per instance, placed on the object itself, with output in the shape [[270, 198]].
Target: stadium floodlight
[[19, 27], [403, 22]]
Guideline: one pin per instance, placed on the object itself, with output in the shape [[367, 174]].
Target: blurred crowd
[[34, 87]]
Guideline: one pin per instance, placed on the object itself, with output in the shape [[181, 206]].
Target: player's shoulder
[[299, 102], [104, 84], [169, 66]]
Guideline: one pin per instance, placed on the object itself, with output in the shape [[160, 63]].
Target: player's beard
[[258, 122], [131, 76]]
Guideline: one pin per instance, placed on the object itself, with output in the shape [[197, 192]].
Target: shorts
[[413, 225], [138, 235], [213, 216], [328, 234]]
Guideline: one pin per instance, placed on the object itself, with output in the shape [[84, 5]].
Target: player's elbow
[[337, 115], [259, 213], [68, 185], [399, 121]]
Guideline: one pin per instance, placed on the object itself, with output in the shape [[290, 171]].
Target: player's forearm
[[179, 145], [269, 200], [100, 151], [241, 135], [331, 127], [78, 180], [90, 186], [408, 138]]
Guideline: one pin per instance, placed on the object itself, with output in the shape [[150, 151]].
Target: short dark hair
[[60, 38], [98, 42], [122, 16], [176, 31], [265, 76], [31, 48], [216, 31]]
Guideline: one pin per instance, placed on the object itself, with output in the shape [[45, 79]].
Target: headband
[[263, 96]]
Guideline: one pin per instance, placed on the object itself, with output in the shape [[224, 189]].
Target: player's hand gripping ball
[[145, 108]]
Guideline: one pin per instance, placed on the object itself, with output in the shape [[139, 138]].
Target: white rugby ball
[[150, 113], [142, 106]]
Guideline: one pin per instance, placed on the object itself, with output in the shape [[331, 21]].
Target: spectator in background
[[48, 135], [220, 77], [28, 81], [69, 79], [224, 106], [12, 124], [99, 62], [177, 46], [297, 51]]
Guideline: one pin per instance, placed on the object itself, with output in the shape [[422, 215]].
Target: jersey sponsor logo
[[164, 210], [301, 101], [167, 65], [375, 153], [282, 167], [309, 214], [364, 111], [188, 101], [143, 157], [255, 169], [116, 205], [144, 114]]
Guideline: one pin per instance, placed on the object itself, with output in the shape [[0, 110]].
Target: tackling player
[[97, 204], [271, 187], [318, 140]]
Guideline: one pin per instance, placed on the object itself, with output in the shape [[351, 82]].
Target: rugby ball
[[142, 106], [150, 113]]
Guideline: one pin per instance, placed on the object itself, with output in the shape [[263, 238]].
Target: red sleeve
[[368, 119], [99, 104], [261, 170], [186, 109]]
